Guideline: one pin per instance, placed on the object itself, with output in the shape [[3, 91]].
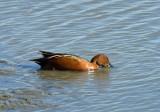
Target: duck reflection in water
[[75, 77]]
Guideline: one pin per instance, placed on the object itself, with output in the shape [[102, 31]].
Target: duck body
[[61, 61]]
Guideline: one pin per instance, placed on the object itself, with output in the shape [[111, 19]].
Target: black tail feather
[[47, 54], [40, 61]]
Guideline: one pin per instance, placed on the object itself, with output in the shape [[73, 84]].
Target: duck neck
[[94, 61], [93, 65]]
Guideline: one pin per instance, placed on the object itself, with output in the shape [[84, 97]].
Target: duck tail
[[46, 54], [40, 61]]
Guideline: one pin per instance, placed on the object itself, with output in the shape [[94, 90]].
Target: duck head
[[101, 60]]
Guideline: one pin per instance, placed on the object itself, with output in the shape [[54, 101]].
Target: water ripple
[[126, 31]]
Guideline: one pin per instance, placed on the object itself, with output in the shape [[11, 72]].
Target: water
[[126, 31]]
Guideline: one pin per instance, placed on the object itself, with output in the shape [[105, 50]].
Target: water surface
[[126, 31]]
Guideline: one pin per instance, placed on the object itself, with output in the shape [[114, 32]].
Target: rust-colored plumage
[[60, 61]]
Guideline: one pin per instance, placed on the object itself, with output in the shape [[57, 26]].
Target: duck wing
[[49, 54], [49, 57]]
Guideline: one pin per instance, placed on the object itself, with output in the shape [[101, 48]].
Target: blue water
[[126, 31]]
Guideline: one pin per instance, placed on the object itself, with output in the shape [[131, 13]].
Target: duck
[[63, 61]]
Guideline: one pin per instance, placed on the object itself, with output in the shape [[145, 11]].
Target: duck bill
[[109, 65]]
